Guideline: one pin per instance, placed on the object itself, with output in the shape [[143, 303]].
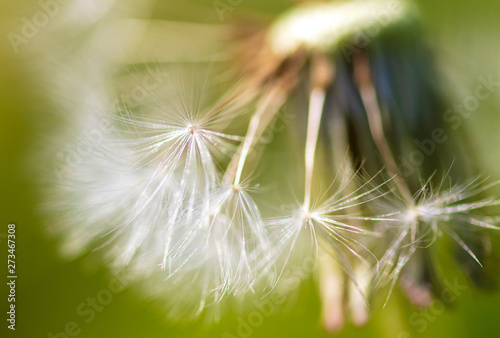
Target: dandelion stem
[[276, 86], [266, 109], [249, 140], [322, 75], [357, 301], [370, 102], [332, 292], [316, 102]]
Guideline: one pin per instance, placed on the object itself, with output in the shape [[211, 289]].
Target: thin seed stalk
[[321, 77]]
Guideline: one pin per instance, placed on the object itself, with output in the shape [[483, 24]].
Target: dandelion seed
[[434, 212], [151, 197]]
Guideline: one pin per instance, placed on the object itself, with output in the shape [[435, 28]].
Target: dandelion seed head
[[323, 26], [149, 198], [411, 215], [163, 197]]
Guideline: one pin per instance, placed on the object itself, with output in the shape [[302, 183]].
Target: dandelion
[[151, 195], [382, 100], [175, 193]]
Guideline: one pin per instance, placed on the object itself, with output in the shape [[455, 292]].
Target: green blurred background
[[465, 35]]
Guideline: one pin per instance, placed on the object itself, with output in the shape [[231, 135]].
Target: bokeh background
[[464, 35]]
